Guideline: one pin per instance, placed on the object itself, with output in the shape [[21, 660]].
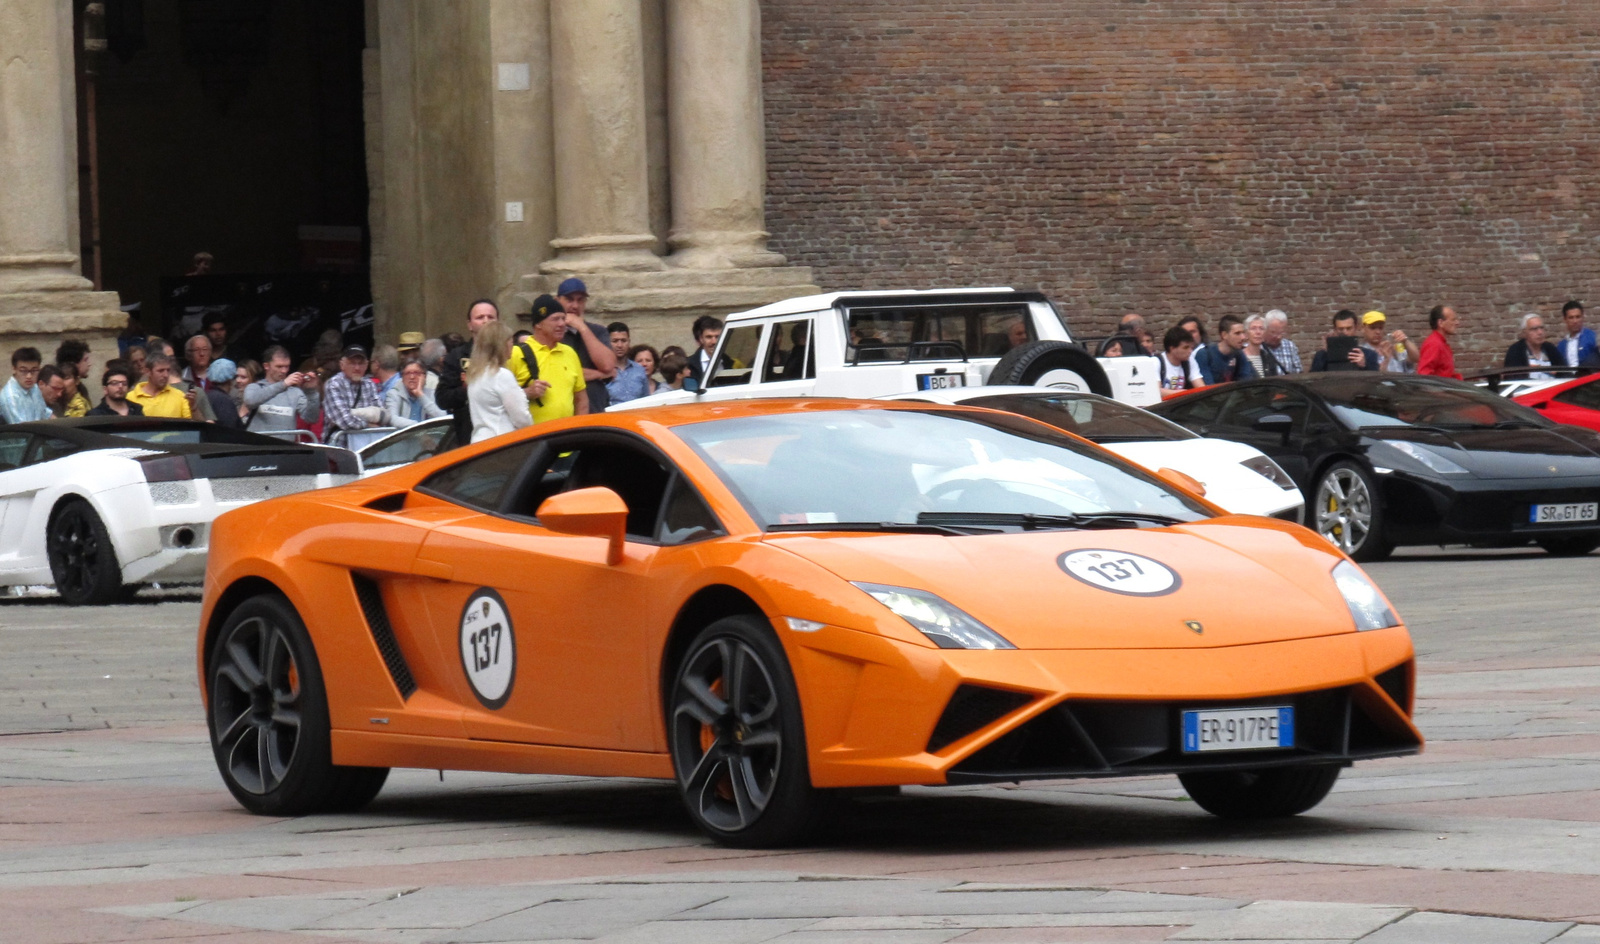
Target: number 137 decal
[[488, 647]]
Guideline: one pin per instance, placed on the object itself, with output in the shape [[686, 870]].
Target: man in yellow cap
[[1397, 354]]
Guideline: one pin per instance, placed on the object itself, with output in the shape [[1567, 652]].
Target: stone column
[[42, 290], [601, 157], [717, 135]]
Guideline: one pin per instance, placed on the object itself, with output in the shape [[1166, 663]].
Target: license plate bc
[[1238, 729], [940, 381], [1561, 514]]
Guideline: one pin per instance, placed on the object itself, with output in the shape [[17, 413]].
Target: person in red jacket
[[1438, 359]]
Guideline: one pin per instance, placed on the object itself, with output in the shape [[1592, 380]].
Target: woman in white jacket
[[497, 404]]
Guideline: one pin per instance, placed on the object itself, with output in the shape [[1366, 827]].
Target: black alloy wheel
[[1576, 546], [269, 717], [737, 739], [1273, 793], [83, 561], [1348, 511]]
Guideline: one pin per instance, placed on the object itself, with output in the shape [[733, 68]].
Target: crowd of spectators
[[495, 379]]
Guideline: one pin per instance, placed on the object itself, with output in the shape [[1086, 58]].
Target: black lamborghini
[[1389, 459]]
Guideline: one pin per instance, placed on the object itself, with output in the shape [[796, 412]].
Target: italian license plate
[[940, 381], [1561, 514], [1238, 729]]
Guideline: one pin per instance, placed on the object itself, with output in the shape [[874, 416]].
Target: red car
[[1576, 401]]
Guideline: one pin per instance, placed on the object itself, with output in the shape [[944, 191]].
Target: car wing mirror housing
[[588, 512], [692, 385], [1183, 480], [1280, 423]]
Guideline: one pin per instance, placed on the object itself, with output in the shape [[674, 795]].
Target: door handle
[[438, 570]]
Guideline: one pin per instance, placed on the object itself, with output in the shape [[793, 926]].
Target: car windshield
[[1094, 418], [910, 469], [1422, 402]]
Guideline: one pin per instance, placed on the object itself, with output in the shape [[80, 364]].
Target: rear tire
[[1570, 547], [83, 561], [738, 740], [268, 717], [1273, 793], [1051, 364]]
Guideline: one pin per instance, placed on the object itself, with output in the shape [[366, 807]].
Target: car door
[[22, 527], [13, 496], [1246, 406], [788, 362], [555, 644]]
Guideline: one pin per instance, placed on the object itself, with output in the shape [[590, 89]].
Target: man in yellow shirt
[[155, 395], [556, 390]]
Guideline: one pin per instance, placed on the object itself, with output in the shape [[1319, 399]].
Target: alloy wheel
[[727, 719], [1344, 509], [255, 705], [78, 552]]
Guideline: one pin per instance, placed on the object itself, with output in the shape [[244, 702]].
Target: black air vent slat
[[383, 634], [973, 707]]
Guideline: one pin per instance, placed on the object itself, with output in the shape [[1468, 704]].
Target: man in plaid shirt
[[350, 398], [1281, 347]]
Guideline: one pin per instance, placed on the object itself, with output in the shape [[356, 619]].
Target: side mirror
[[692, 385], [588, 512], [1275, 423], [1183, 480]]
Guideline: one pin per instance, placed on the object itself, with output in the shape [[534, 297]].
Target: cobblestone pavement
[[115, 827]]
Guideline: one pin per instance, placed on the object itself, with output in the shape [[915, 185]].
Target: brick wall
[[1196, 156]]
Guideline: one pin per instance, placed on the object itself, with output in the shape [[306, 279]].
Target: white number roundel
[[488, 649], [1120, 572]]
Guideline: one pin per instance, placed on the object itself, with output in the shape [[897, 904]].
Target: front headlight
[[1367, 606], [1270, 470], [1428, 457], [945, 625]]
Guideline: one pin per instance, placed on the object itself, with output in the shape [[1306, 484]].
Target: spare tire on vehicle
[[1051, 364]]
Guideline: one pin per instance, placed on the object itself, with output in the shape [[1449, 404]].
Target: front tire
[[1349, 513], [1273, 793], [1051, 364], [268, 717], [738, 739], [83, 561], [1570, 546]]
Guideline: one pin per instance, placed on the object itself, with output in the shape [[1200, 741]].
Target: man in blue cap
[[598, 360]]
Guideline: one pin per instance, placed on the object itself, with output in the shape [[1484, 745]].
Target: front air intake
[[973, 708], [371, 598]]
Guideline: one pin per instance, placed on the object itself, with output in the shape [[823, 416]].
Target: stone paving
[[115, 827]]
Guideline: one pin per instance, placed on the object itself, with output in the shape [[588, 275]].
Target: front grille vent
[[972, 708], [377, 615]]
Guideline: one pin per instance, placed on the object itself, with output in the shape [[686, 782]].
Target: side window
[[481, 482], [1251, 404], [635, 475], [46, 449], [789, 354], [686, 517], [1196, 410], [13, 449], [1587, 396], [736, 360]]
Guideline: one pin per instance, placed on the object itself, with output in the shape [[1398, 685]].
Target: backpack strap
[[532, 365]]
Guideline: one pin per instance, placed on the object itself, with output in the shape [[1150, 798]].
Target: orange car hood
[[1242, 582]]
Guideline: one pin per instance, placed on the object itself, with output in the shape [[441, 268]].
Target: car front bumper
[[879, 712], [1485, 512]]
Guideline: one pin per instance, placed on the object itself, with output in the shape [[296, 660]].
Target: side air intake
[[383, 634], [972, 708]]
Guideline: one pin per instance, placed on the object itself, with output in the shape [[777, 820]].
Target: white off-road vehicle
[[872, 344]]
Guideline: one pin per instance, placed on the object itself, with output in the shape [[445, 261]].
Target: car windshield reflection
[[926, 471]]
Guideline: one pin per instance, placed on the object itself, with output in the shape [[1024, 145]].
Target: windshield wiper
[[889, 527], [1032, 522]]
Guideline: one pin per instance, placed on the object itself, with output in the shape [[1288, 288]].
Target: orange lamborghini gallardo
[[769, 601]]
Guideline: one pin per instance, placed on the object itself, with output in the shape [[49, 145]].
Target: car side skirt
[[381, 749]]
